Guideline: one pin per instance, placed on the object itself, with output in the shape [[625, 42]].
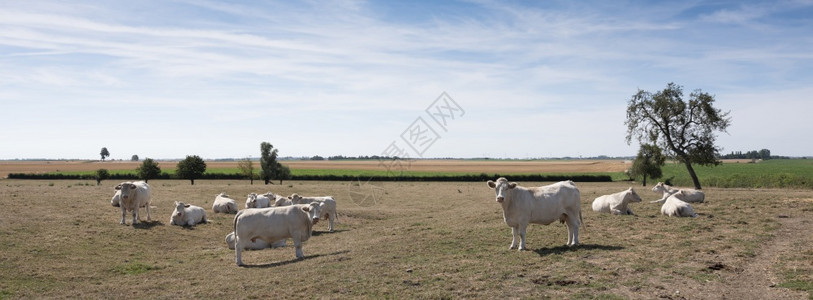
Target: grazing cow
[[328, 209], [539, 205], [256, 245], [224, 204], [133, 195], [116, 200], [274, 223], [691, 195], [187, 215], [675, 206], [257, 201], [617, 203]]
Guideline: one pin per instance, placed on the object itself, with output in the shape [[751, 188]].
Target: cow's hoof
[[512, 247]]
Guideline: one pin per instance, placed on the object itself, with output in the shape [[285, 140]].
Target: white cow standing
[[328, 209], [133, 195], [274, 223], [224, 204], [675, 206], [539, 205], [618, 203], [667, 190], [187, 215], [255, 245], [257, 201]]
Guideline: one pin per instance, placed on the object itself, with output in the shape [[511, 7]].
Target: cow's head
[[125, 188], [632, 196], [178, 214], [223, 194], [251, 200], [295, 198], [314, 211], [500, 187], [659, 188]]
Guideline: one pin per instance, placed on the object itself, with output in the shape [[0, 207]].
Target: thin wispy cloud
[[354, 74]]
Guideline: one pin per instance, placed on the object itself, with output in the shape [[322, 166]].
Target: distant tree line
[[763, 154]]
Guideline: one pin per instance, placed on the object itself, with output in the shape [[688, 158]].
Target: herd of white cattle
[[268, 220]]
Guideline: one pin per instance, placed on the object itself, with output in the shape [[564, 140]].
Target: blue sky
[[165, 79]]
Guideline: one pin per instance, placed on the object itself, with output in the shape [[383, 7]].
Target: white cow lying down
[[224, 204], [257, 201], [691, 195], [256, 245], [675, 207], [539, 205], [617, 203], [187, 215], [274, 223], [328, 209], [132, 196]]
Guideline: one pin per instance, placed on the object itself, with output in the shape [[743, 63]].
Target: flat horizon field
[[62, 239]]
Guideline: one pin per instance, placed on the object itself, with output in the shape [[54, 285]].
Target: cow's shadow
[[564, 248], [318, 233], [147, 224], [282, 263]]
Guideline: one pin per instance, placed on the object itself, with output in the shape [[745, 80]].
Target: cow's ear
[[306, 208], [186, 205], [512, 185], [132, 186], [491, 184], [118, 187]]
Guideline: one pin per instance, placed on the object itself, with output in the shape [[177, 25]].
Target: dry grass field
[[486, 166], [61, 239]]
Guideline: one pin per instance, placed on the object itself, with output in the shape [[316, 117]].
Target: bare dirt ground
[[498, 166]]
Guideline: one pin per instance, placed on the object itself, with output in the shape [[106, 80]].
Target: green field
[[776, 173]]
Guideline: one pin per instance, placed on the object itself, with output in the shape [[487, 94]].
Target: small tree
[[247, 168], [104, 153], [284, 173], [134, 158], [192, 167], [684, 130], [101, 174], [148, 170], [648, 163]]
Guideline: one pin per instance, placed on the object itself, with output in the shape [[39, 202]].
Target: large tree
[[148, 170], [685, 130], [247, 168], [192, 167], [104, 153], [648, 163]]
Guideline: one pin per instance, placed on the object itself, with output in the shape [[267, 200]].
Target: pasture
[[61, 239]]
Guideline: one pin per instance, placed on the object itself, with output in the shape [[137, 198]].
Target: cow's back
[[544, 204], [272, 223]]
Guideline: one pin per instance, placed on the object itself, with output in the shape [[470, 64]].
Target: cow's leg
[[522, 228], [514, 233], [573, 230], [149, 218], [330, 219], [238, 248], [298, 247], [123, 215]]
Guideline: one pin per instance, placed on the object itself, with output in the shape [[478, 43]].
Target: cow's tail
[[581, 221], [235, 224]]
